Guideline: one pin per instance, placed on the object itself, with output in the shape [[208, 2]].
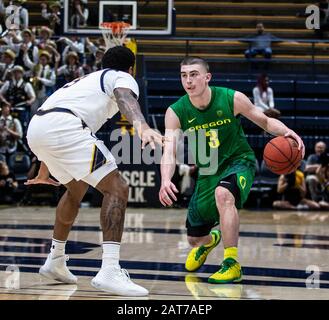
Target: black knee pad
[[230, 183]]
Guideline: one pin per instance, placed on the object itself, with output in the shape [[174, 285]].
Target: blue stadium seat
[[20, 164], [243, 85], [282, 86], [284, 104], [312, 123], [164, 84], [313, 105], [313, 87], [289, 121], [258, 141], [267, 184], [160, 103], [267, 177]]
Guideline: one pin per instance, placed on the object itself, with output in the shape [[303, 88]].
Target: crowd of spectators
[[34, 62], [307, 187]]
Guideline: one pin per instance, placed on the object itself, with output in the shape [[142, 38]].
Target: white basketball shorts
[[69, 150]]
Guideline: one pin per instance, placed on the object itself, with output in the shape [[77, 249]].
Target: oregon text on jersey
[[210, 125]]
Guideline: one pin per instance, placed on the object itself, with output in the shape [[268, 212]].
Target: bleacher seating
[[290, 98]]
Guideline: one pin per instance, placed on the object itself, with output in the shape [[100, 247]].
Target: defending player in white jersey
[[61, 134]]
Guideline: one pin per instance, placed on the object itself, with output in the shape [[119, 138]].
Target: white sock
[[57, 248], [111, 253]]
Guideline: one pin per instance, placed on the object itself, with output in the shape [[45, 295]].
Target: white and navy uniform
[[61, 134]]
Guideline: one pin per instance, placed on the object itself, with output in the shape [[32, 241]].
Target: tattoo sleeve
[[128, 105]]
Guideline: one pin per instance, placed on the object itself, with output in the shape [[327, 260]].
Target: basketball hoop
[[114, 33]]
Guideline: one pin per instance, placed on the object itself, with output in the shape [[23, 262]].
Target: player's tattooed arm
[[129, 106]]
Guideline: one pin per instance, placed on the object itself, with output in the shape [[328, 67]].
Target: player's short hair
[[118, 58], [195, 60]]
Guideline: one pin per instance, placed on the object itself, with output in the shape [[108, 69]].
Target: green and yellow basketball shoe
[[230, 271], [198, 255]]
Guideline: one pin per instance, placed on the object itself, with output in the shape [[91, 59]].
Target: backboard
[[146, 17]]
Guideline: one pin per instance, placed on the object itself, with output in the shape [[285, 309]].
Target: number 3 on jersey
[[213, 139]]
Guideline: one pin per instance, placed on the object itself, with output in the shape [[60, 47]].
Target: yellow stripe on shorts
[[98, 159]]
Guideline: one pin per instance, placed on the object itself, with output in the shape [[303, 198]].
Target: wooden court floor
[[284, 254]]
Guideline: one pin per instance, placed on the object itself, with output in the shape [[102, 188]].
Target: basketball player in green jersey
[[209, 116]]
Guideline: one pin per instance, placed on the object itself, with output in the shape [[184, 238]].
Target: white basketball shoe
[[116, 281], [56, 269]]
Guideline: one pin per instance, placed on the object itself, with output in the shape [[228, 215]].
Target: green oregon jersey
[[215, 135]]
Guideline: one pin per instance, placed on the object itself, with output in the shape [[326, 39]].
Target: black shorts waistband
[[43, 112], [58, 109]]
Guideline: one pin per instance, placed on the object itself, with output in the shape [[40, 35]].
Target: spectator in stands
[[54, 17], [71, 69], [55, 57], [8, 184], [322, 174], [43, 78], [264, 97], [261, 43], [23, 13], [28, 46], [79, 13], [95, 59], [98, 58], [292, 187], [18, 94], [44, 37], [8, 58], [10, 132], [10, 38], [74, 44], [313, 163]]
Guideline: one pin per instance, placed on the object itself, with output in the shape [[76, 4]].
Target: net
[[114, 33]]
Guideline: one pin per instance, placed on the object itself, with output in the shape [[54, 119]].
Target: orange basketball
[[281, 155]]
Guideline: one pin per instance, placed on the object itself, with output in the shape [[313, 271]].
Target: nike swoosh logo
[[225, 182], [189, 121]]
